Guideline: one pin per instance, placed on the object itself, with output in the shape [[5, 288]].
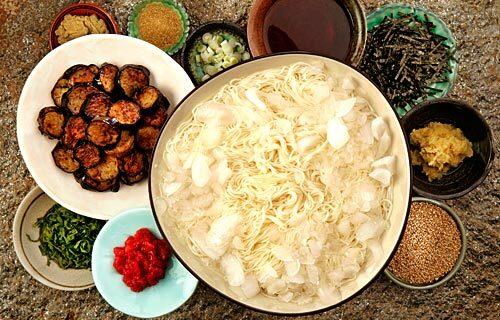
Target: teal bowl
[[168, 295], [393, 10]]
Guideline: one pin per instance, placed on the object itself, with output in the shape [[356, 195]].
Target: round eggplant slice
[[156, 118], [133, 78], [133, 164], [74, 131], [107, 77], [106, 170], [102, 133], [100, 186], [148, 97], [51, 122], [80, 74], [131, 180], [63, 158], [94, 68], [73, 99], [60, 88], [124, 145], [87, 154], [96, 105], [146, 137], [125, 112]]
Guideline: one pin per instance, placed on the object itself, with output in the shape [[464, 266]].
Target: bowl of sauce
[[332, 28]]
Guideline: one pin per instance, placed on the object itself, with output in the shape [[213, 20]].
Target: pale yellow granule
[[439, 147], [72, 27]]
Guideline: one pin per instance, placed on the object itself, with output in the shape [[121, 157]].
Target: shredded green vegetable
[[67, 238]]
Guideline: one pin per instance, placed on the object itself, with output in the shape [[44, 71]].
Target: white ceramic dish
[[36, 149], [400, 189], [35, 205]]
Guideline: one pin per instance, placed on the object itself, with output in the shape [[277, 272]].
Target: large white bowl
[[400, 189], [36, 149]]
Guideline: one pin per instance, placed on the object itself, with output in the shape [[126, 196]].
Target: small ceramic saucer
[[35, 205], [168, 295]]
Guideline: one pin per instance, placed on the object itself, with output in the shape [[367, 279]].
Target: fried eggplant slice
[[94, 68], [80, 74], [101, 186], [108, 169], [124, 145], [87, 154], [51, 122], [107, 77], [125, 112], [103, 133], [73, 99], [133, 78], [63, 158], [96, 105], [146, 137], [156, 118], [148, 97], [133, 167], [60, 88], [74, 131]]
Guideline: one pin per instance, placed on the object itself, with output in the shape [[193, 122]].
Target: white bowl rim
[[242, 303], [21, 143]]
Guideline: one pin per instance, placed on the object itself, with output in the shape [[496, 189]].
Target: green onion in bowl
[[215, 51]]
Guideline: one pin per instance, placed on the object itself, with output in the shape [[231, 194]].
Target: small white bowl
[[35, 205], [166, 75]]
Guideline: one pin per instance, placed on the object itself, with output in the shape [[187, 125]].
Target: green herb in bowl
[[67, 238], [216, 51]]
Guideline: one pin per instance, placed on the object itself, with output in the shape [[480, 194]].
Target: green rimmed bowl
[[458, 263], [133, 28], [393, 10]]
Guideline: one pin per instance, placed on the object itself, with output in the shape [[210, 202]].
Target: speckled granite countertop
[[473, 293]]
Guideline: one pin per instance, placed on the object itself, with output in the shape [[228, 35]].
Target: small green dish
[[460, 258], [392, 10], [133, 28]]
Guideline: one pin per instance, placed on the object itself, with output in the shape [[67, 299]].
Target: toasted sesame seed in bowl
[[432, 248]]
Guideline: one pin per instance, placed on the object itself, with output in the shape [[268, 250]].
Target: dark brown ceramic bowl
[[82, 9], [255, 28], [472, 171], [211, 26]]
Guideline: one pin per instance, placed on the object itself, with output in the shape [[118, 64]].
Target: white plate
[[36, 149], [34, 206]]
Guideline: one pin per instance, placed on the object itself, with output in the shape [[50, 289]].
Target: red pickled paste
[[142, 261]]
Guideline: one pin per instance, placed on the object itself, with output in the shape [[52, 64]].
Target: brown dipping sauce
[[320, 26]]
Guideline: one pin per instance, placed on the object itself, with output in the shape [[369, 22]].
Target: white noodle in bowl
[[285, 188]]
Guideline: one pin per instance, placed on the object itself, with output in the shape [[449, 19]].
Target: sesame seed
[[430, 246]]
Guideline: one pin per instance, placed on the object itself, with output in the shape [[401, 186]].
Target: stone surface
[[472, 293]]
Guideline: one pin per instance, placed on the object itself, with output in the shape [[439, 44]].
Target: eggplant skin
[[51, 122], [60, 88], [102, 132], [107, 78], [96, 105], [63, 158], [132, 78], [146, 137], [148, 98], [74, 131], [125, 112], [133, 167], [88, 183], [124, 146], [108, 169], [156, 118], [87, 154], [74, 98]]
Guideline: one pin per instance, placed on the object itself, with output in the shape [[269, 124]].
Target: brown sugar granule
[[159, 25], [430, 246]]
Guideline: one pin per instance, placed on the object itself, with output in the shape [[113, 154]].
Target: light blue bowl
[[169, 294]]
